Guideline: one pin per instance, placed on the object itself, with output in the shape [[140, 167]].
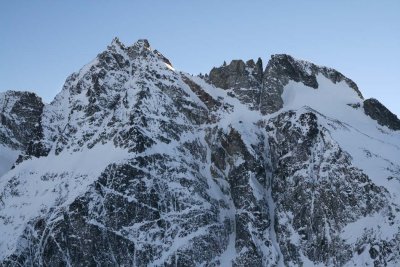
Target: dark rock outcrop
[[20, 114], [237, 75], [245, 80], [378, 112]]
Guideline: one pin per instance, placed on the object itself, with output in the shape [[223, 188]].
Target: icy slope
[[138, 164]]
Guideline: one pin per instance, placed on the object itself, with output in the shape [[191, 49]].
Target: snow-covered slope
[[136, 164]]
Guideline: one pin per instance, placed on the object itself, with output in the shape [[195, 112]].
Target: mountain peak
[[263, 89], [137, 164], [141, 44]]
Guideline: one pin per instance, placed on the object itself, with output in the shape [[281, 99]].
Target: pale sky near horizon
[[42, 42]]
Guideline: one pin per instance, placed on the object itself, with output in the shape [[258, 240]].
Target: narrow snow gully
[[228, 257], [270, 201]]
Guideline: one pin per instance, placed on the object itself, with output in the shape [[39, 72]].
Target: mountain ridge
[[242, 167]]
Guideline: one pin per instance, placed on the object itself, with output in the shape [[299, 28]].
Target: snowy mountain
[[136, 164]]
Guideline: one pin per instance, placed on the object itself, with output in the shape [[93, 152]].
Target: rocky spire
[[116, 43]]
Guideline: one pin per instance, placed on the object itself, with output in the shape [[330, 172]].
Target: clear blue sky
[[42, 42]]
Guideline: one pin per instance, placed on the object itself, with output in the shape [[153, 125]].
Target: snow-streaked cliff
[[135, 163]]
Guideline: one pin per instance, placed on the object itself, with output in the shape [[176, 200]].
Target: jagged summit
[[283, 65], [142, 43], [139, 44], [140, 48], [136, 164], [260, 84], [262, 89], [116, 58]]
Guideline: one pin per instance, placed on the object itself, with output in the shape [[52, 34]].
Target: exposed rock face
[[237, 75], [263, 90], [136, 164], [245, 80], [316, 188], [20, 126], [381, 114], [20, 114]]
